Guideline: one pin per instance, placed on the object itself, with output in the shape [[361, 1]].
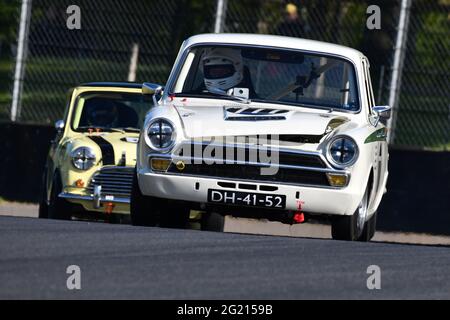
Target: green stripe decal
[[378, 135]]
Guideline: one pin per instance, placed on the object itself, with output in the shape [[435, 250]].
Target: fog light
[[79, 183], [158, 164], [337, 179]]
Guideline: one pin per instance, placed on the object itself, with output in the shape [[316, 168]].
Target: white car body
[[194, 117]]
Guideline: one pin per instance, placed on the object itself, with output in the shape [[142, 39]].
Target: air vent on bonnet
[[253, 114]]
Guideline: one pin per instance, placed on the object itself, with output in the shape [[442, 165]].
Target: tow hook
[[298, 217], [109, 207]]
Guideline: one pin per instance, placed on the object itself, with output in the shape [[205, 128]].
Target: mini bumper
[[97, 199]]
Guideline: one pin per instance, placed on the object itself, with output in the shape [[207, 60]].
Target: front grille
[[250, 169], [114, 181], [249, 172], [238, 152]]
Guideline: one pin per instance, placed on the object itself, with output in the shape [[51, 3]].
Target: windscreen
[[109, 111], [270, 75]]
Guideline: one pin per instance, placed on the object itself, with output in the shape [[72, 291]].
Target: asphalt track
[[122, 261]]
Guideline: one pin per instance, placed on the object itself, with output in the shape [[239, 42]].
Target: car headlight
[[83, 158], [342, 151], [160, 135]]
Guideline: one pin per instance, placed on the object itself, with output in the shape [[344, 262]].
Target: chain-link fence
[[423, 118], [111, 30], [341, 22], [9, 19], [59, 58]]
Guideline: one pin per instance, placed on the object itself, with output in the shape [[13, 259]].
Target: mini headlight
[[160, 135], [342, 152], [83, 158]]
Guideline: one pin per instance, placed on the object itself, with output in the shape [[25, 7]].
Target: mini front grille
[[114, 180]]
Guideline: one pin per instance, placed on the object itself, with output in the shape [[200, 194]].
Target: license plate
[[275, 201]]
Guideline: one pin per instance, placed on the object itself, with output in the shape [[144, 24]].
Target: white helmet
[[222, 68]]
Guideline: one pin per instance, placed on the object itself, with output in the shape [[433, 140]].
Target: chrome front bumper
[[97, 198]]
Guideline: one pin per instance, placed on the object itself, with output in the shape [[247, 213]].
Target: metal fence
[[423, 117], [113, 30]]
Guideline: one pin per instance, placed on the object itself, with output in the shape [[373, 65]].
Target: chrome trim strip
[[256, 164], [72, 196], [212, 160], [114, 183], [105, 168]]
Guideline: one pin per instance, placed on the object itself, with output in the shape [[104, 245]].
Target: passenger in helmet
[[223, 69]]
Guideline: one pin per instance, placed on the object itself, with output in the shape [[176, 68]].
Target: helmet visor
[[218, 71]]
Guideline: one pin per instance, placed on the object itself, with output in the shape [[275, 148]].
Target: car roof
[[128, 85], [275, 41]]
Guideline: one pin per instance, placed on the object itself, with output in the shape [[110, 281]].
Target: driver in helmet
[[224, 69], [102, 113]]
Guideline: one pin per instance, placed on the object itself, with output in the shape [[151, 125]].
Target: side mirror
[[383, 112], [152, 89], [59, 125]]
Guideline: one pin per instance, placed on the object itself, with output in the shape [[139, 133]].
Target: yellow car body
[[100, 181]]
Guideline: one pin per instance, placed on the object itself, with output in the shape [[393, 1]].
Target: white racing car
[[264, 127]]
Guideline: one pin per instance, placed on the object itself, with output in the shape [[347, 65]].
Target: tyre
[[174, 215], [117, 218], [58, 208], [150, 211], [369, 229], [43, 206], [144, 210], [351, 228], [212, 221]]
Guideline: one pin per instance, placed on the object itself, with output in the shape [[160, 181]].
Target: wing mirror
[[379, 113], [59, 126], [384, 112], [152, 89]]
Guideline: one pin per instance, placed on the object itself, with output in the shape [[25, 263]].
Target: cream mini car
[[92, 158], [265, 127]]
